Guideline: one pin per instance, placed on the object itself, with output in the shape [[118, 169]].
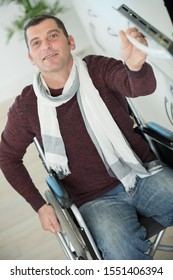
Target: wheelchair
[[75, 238]]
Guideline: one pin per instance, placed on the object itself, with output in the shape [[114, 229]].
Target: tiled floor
[[21, 235]]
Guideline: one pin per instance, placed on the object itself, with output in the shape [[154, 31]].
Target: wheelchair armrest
[[159, 133], [59, 191]]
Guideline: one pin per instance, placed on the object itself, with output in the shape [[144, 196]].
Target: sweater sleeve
[[141, 83], [14, 141], [115, 75]]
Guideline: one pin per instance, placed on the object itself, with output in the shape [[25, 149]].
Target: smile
[[49, 56]]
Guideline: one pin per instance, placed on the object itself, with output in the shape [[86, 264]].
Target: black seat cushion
[[152, 227]]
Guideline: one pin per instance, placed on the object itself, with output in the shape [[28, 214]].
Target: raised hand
[[132, 56]]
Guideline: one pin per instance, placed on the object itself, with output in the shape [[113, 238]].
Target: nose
[[46, 45]]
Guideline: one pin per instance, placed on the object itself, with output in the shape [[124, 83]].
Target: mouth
[[50, 56]]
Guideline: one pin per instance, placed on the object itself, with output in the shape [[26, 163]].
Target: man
[[77, 110]]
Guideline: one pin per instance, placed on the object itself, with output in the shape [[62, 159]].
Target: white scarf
[[112, 146]]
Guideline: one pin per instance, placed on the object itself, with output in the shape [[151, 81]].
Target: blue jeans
[[112, 218]]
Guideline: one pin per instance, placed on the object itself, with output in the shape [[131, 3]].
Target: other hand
[[48, 219]]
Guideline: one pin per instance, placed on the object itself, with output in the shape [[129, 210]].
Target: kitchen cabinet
[[102, 34], [157, 107], [102, 22]]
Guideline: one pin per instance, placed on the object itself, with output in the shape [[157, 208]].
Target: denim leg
[[112, 221], [112, 218], [154, 196]]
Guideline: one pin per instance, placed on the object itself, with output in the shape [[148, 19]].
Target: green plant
[[29, 9]]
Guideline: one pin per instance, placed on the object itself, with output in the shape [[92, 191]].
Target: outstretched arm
[[132, 56]]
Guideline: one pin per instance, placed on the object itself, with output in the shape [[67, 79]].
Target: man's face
[[49, 48]]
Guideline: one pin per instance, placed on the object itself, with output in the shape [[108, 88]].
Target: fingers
[[137, 35], [134, 33], [48, 219], [132, 55], [54, 224], [123, 37]]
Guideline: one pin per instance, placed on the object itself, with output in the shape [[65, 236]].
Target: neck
[[57, 80]]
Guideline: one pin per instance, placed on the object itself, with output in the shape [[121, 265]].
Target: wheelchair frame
[[75, 238]]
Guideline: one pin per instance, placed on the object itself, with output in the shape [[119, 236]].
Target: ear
[[71, 42], [30, 58]]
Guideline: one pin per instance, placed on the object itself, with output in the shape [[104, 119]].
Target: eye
[[53, 36], [35, 43]]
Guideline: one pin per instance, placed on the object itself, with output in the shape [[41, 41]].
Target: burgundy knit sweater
[[89, 178]]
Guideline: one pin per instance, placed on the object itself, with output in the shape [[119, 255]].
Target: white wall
[[14, 63], [15, 68]]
